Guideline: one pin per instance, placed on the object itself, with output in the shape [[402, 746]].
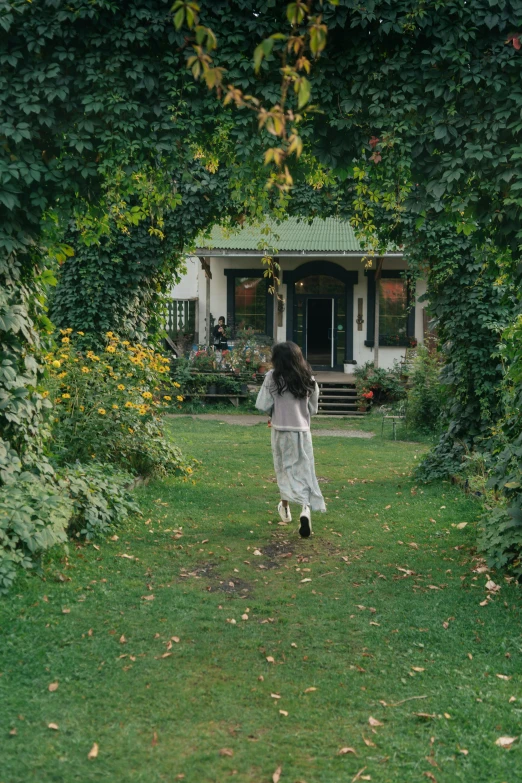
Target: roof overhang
[[216, 253]]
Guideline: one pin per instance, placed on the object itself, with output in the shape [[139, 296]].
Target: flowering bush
[[107, 405], [378, 385], [204, 361]]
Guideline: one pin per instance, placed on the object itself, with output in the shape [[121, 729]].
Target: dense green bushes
[[501, 538], [39, 513], [426, 394]]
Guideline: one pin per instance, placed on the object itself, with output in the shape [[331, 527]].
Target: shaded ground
[[208, 642]]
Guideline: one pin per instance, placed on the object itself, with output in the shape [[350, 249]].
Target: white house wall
[[193, 284]]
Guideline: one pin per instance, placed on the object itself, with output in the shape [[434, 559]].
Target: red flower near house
[[368, 395]]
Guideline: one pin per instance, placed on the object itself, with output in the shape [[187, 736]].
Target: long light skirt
[[295, 468]]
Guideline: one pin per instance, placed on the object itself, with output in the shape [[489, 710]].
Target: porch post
[[275, 315], [378, 275], [205, 265]]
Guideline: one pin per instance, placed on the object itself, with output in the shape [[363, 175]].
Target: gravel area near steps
[[247, 420]]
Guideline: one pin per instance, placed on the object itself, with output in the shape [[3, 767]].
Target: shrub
[[34, 516], [107, 406], [426, 395], [501, 538], [100, 498], [377, 384]]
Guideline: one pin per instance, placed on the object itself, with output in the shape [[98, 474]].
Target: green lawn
[[377, 617]]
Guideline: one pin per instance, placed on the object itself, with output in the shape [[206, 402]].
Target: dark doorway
[[319, 332]]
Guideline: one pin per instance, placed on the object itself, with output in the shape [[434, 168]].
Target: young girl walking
[[290, 396]]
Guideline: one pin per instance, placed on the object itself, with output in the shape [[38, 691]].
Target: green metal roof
[[323, 236]]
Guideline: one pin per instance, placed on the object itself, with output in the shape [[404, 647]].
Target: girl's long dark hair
[[291, 370]]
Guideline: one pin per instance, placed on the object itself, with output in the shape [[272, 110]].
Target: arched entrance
[[320, 312]]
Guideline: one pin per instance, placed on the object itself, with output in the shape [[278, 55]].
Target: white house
[[328, 296]]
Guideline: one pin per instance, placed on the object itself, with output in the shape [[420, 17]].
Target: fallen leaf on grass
[[175, 639], [275, 695], [226, 752], [283, 712], [430, 776], [413, 545], [13, 733], [374, 722], [417, 668], [231, 621], [53, 686], [127, 557], [511, 699], [123, 640], [309, 690], [505, 742], [461, 525], [244, 617], [463, 751], [114, 538], [360, 776], [372, 623], [368, 742], [148, 597], [492, 587], [154, 740], [257, 552], [93, 753], [447, 716], [66, 611], [344, 751], [306, 580], [484, 603], [270, 659], [277, 775], [293, 644], [425, 715], [53, 726], [502, 676]]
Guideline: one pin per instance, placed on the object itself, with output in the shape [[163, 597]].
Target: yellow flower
[[125, 342], [45, 394], [66, 396], [65, 340], [82, 333], [142, 410], [85, 369], [110, 349], [189, 470], [61, 375], [131, 431], [179, 398], [166, 397], [101, 411], [82, 408], [115, 407], [108, 334], [129, 404], [147, 395], [121, 387], [177, 385], [56, 363]]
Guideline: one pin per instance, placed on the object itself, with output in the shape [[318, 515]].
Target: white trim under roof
[[215, 253]]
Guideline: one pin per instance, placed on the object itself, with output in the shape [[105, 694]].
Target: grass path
[[376, 617]]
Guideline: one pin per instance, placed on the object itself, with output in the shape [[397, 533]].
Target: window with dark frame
[[393, 312], [250, 303]]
